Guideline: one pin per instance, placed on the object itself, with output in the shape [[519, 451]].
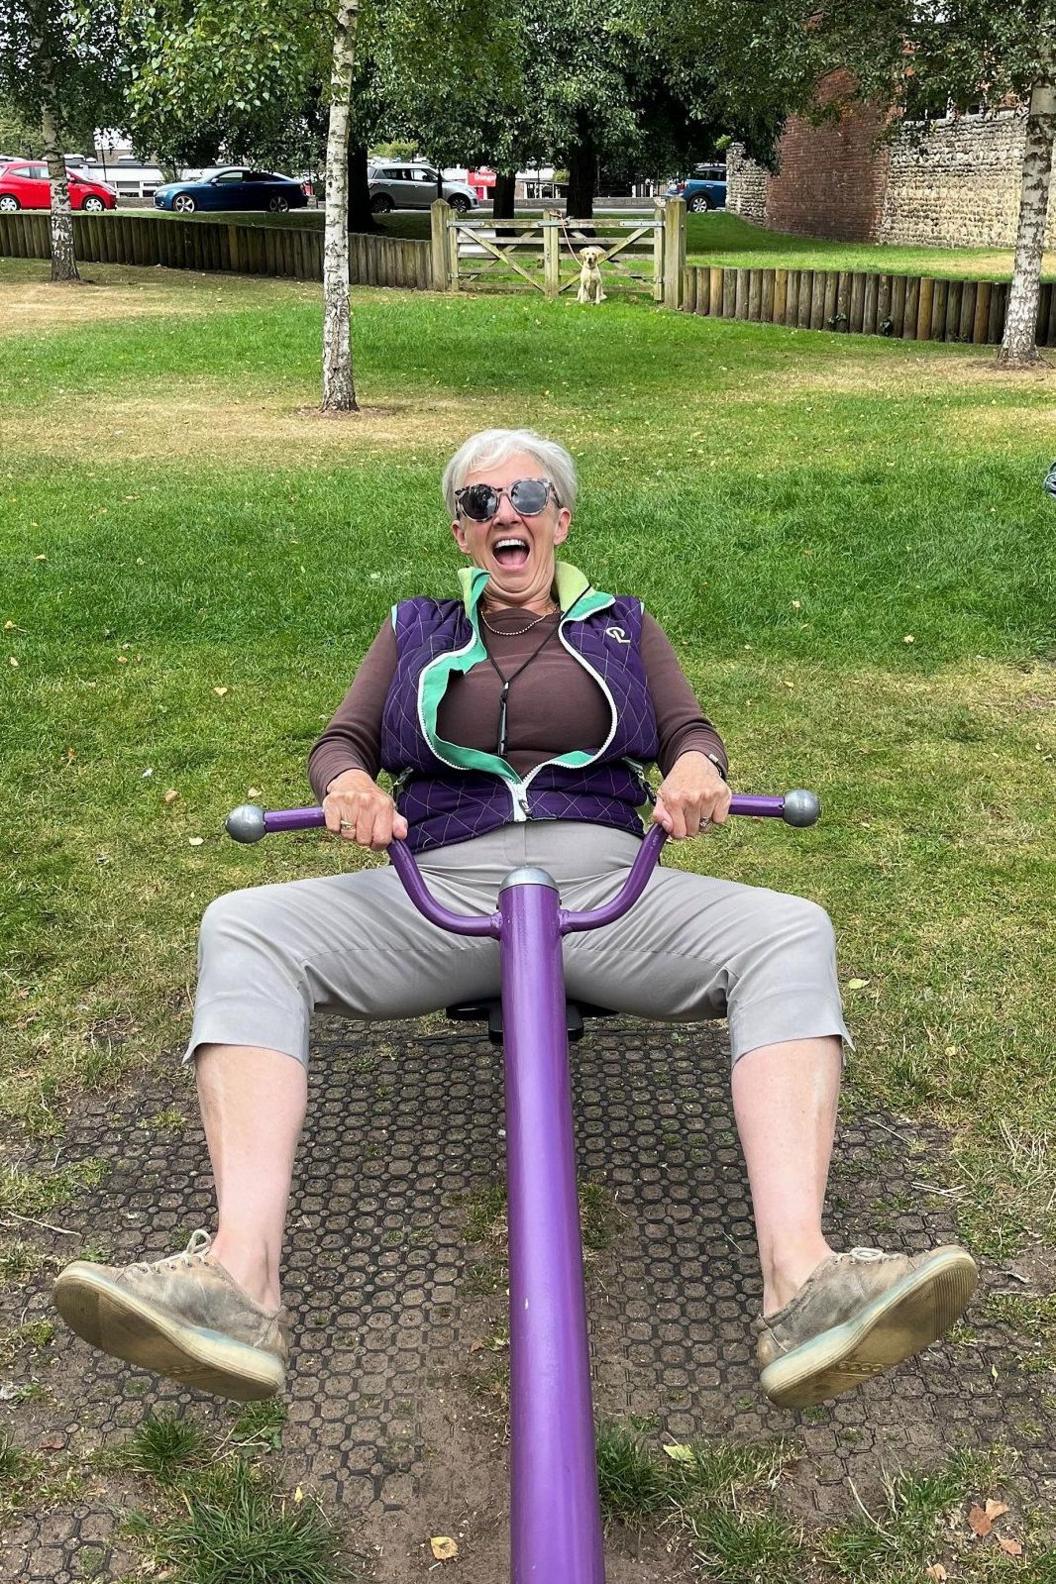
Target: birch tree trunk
[[1019, 344], [63, 259], [339, 391]]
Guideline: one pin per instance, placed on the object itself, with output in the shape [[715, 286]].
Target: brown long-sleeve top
[[553, 706]]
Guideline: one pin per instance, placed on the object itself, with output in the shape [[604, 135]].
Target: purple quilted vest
[[448, 794]]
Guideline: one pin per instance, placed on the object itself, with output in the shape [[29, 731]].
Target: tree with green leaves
[[580, 86], [955, 55], [202, 60], [18, 134], [61, 68], [968, 53]]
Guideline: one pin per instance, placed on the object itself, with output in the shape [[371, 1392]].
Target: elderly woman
[[516, 720]]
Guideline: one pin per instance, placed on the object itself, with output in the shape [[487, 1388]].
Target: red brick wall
[[830, 179]]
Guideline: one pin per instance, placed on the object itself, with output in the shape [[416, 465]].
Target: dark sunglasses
[[528, 497]]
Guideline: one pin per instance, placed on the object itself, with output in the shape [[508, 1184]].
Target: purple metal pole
[[555, 1520]]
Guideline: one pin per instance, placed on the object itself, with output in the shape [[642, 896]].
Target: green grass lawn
[[727, 241], [846, 538]]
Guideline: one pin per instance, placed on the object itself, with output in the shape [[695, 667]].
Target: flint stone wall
[[745, 185], [955, 184], [959, 185]]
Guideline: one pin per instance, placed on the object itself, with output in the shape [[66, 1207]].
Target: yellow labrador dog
[[590, 277]]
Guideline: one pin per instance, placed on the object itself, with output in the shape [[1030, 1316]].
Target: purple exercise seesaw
[[555, 1514]]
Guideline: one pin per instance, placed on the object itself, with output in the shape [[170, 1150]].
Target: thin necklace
[[506, 632], [504, 692]]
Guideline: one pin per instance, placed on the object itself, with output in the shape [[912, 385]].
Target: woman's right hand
[[357, 810]]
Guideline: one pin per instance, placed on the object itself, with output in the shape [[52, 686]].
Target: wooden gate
[[638, 256]]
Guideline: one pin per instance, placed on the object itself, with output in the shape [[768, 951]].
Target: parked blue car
[[232, 187], [704, 190]]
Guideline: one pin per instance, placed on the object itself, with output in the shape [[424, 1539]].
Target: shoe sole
[[141, 1333], [911, 1315]]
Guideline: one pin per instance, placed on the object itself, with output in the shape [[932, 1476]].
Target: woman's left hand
[[692, 796]]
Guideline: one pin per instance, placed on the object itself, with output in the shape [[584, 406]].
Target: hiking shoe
[[857, 1314], [183, 1316]]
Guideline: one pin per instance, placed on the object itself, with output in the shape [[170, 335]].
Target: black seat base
[[490, 1012]]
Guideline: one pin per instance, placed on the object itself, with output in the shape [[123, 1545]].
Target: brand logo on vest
[[618, 634]]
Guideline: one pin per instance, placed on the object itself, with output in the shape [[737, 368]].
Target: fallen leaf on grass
[[12, 662], [680, 1453], [936, 1571], [195, 841], [443, 1547], [1010, 1547], [170, 796], [220, 691], [981, 1519], [253, 792], [298, 1494], [857, 984]]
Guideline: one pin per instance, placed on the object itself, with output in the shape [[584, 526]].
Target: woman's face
[[516, 551]]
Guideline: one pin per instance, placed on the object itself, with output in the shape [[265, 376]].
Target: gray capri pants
[[692, 947]]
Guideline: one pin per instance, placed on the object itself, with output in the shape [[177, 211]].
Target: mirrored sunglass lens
[[529, 496], [480, 502]]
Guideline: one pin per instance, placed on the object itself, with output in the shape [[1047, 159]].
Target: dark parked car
[[233, 187], [705, 189]]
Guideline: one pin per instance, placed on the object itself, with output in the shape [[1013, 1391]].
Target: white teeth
[[501, 544]]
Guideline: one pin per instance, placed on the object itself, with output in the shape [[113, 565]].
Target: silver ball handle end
[[801, 808], [246, 823]]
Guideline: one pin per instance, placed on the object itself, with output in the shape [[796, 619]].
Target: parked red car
[[24, 185]]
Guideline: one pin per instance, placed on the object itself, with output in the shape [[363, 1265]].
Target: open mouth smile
[[512, 551]]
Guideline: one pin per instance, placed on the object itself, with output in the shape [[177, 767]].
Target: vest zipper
[[518, 790], [613, 712]]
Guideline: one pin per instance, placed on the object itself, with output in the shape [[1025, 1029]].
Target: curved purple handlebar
[[402, 861], [249, 823], [645, 862]]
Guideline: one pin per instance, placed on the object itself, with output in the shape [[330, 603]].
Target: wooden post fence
[[293, 251], [674, 244], [439, 214], [906, 307]]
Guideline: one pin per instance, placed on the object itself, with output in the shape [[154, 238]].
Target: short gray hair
[[496, 445]]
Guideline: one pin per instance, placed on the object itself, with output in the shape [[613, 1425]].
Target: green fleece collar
[[571, 583]]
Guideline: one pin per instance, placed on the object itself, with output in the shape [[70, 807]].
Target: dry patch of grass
[[886, 374], [966, 426], [203, 421], [999, 262], [30, 303], [25, 310]]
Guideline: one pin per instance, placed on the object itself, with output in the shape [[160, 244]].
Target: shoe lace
[[868, 1254], [194, 1253]]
